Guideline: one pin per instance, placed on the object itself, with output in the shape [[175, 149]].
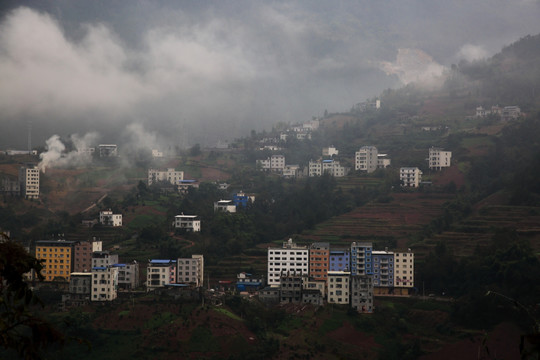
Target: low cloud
[[470, 52]]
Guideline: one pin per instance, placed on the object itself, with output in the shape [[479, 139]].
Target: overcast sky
[[189, 72]]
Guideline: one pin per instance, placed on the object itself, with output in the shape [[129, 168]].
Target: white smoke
[[471, 53], [57, 157], [415, 66]]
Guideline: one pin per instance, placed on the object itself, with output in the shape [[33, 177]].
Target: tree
[[20, 330]]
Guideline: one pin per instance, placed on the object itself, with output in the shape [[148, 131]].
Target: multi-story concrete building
[[331, 167], [383, 269], [383, 161], [340, 260], [190, 270], [366, 159], [291, 289], [361, 263], [128, 275], [160, 273], [275, 163], [410, 176], [103, 259], [361, 289], [82, 255], [225, 206], [439, 158], [187, 222], [291, 171], [309, 283], [108, 150], [80, 284], [319, 260], [107, 218], [56, 256], [170, 175], [104, 283], [338, 287], [404, 269], [29, 181], [290, 259]]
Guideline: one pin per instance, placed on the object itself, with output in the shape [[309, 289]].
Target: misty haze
[[270, 179]]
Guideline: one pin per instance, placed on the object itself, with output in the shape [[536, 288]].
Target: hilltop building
[[439, 158], [170, 175], [107, 218], [275, 163], [331, 167], [187, 222], [242, 199], [404, 269], [340, 260], [361, 258], [383, 269], [410, 176], [225, 206], [330, 151], [160, 273], [190, 270], [29, 181], [366, 159]]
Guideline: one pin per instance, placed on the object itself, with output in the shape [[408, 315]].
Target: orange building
[[57, 257], [319, 261]]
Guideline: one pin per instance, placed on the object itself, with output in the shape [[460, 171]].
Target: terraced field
[[478, 229], [382, 223]]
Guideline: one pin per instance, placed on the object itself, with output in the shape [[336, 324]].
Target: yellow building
[[57, 259]]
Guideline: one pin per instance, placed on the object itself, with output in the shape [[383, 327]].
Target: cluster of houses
[[505, 113], [367, 159], [25, 186], [92, 274], [95, 275], [321, 273]]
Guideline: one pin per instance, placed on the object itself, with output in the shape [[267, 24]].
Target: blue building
[[340, 260], [361, 263], [242, 199]]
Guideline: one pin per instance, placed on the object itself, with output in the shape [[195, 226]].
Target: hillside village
[[406, 208]]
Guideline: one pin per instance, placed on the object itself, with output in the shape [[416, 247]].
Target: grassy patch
[[160, 319], [202, 341], [228, 313]]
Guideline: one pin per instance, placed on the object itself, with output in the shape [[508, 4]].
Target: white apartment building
[[104, 283], [170, 175], [156, 153], [225, 205], [188, 222], [106, 217], [338, 287], [366, 159], [332, 167], [190, 270], [410, 176], [160, 273], [404, 269], [275, 163], [290, 259], [439, 158], [29, 181]]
